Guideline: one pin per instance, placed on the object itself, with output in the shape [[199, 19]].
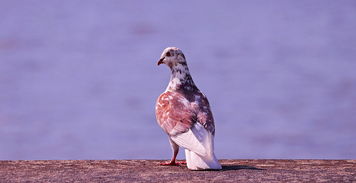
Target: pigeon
[[183, 112]]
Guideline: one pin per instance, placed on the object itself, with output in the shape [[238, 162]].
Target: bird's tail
[[199, 148], [197, 162], [208, 161]]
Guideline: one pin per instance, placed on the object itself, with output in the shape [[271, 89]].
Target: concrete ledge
[[150, 171]]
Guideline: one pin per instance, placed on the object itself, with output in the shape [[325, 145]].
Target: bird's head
[[172, 56]]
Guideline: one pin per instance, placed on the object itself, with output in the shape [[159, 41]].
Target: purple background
[[78, 79]]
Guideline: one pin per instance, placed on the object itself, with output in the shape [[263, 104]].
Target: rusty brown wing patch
[[174, 113]]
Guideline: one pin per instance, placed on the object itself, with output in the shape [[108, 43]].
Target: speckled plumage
[[183, 112]]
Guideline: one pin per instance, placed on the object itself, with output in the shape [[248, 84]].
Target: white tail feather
[[199, 145], [196, 162]]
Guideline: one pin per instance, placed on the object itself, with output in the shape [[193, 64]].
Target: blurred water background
[[79, 80]]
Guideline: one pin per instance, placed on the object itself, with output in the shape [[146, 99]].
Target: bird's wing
[[174, 113], [189, 124], [203, 113], [197, 139]]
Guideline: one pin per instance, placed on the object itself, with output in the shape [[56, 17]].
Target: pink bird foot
[[182, 163], [173, 163]]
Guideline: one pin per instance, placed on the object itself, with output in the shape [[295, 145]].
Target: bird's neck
[[180, 78]]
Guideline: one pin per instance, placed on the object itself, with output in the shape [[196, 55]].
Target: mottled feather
[[183, 112], [176, 113]]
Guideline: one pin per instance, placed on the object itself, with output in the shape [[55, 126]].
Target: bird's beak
[[160, 61]]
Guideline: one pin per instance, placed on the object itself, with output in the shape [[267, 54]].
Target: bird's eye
[[168, 54]]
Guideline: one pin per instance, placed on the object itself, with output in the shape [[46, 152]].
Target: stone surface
[[151, 171]]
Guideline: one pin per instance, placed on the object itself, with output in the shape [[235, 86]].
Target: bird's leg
[[175, 149]]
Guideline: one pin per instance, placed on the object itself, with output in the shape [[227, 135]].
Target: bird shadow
[[239, 167], [234, 167]]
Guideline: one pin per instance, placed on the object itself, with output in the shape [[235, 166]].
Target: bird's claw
[[182, 163], [173, 163]]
